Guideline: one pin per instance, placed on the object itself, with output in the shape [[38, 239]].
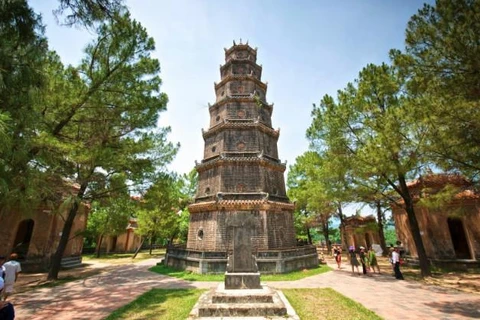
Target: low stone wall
[[274, 261]]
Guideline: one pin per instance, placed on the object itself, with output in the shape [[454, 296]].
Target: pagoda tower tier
[[241, 177]]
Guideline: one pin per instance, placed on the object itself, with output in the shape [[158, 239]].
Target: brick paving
[[96, 297]]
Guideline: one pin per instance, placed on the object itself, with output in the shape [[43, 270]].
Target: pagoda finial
[[225, 49], [234, 43], [247, 42], [240, 40]]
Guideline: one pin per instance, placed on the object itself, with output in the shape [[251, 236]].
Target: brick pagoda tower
[[241, 179]]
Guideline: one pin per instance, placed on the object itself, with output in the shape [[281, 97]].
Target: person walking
[[372, 260], [363, 259], [337, 253], [12, 269], [353, 259], [396, 264]]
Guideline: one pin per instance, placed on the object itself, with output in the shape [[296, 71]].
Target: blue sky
[[307, 49]]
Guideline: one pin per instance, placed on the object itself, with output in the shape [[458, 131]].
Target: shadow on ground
[[464, 308]]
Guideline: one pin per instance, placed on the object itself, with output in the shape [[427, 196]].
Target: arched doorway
[[23, 237], [459, 238]]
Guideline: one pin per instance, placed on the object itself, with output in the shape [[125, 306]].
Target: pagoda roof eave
[[229, 62], [240, 99], [243, 124], [241, 77], [222, 160], [239, 205], [240, 46]]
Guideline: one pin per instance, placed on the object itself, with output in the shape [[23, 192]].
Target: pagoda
[[241, 179]]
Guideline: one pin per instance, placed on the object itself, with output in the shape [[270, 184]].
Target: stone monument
[[242, 270]]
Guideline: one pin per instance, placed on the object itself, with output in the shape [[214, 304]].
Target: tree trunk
[[414, 228], [325, 230], [381, 234], [343, 241], [170, 242], [99, 245], [139, 248], [309, 236], [67, 227], [151, 244]]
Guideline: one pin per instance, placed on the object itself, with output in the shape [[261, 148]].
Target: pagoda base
[[269, 261]]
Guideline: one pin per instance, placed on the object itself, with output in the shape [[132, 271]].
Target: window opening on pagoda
[[214, 149], [241, 114], [207, 190], [275, 191], [240, 187], [217, 118], [200, 234], [241, 146]]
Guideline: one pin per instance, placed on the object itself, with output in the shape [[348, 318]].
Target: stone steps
[[242, 299], [71, 262], [252, 304], [242, 310]]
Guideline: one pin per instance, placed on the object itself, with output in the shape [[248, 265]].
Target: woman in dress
[[372, 260], [353, 259], [337, 253]]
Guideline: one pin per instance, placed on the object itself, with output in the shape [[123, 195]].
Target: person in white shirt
[[396, 264], [12, 269]]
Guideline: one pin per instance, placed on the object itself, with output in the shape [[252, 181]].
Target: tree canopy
[[441, 61]]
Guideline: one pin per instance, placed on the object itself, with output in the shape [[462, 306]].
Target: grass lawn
[[123, 258], [190, 276], [165, 304], [176, 304], [326, 303]]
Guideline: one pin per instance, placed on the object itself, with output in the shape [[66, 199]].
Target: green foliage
[[441, 61], [163, 212], [110, 220], [334, 235], [108, 119], [87, 12], [390, 235], [23, 50], [305, 187]]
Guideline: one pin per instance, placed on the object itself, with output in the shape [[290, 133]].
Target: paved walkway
[[96, 297]]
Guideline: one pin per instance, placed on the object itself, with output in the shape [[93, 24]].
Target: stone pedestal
[[242, 280]]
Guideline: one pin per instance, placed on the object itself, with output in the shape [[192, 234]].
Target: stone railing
[[181, 251]]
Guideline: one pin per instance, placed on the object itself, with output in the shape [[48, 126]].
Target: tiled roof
[[439, 180]]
